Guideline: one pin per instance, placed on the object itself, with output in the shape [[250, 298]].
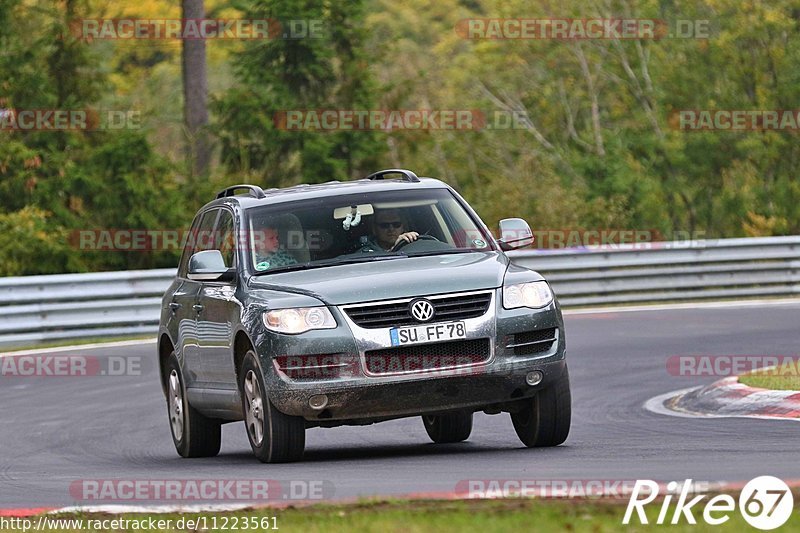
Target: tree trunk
[[195, 94]]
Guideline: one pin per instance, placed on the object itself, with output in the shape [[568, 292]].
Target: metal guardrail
[[671, 271], [35, 309]]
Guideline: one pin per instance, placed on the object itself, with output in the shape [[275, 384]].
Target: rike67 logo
[[765, 503]]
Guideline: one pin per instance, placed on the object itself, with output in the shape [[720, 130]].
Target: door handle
[[174, 306], [198, 307]]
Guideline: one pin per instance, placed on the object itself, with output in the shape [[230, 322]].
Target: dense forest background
[[598, 146]]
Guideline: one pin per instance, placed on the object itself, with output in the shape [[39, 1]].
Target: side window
[[200, 238], [226, 238]]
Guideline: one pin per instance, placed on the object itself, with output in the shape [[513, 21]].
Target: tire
[[443, 429], [545, 419], [193, 434], [274, 436]]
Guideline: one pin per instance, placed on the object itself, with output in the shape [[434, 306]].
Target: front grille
[[395, 314], [427, 357], [532, 342]]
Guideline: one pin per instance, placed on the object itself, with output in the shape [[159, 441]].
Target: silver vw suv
[[292, 309]]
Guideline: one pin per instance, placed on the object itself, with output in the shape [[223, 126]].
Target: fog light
[[534, 378], [318, 401]]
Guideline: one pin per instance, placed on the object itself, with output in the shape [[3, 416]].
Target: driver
[[388, 230]]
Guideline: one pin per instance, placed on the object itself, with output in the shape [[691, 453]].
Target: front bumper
[[395, 399], [360, 397]]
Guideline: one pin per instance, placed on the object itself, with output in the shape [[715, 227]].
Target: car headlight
[[534, 294], [299, 320]]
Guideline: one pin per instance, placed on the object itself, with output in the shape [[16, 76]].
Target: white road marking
[[94, 346], [656, 404]]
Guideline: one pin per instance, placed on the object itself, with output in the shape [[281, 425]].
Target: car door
[[181, 307], [185, 299], [219, 307]]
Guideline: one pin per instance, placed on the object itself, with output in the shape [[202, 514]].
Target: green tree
[[599, 144], [329, 71], [62, 181]]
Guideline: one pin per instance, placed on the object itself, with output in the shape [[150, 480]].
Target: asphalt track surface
[[55, 431]]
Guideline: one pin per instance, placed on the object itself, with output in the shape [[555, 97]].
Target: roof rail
[[254, 190], [407, 174]]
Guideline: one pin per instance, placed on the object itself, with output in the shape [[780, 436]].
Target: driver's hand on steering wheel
[[409, 236]]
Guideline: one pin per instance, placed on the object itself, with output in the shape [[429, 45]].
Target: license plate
[[429, 333]]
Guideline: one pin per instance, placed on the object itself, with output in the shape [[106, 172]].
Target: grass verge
[[771, 379]]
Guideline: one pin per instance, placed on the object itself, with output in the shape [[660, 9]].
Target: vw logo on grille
[[422, 310]]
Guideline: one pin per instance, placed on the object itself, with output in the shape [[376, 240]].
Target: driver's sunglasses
[[387, 225]]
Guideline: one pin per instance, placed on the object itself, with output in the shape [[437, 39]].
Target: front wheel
[[544, 420], [193, 434], [274, 436], [455, 427]]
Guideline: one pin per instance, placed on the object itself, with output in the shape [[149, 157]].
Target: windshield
[[360, 227]]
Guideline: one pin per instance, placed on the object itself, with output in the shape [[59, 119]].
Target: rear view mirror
[[514, 233], [352, 214], [361, 209], [209, 265]]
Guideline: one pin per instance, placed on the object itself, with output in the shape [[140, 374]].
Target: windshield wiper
[[332, 262]]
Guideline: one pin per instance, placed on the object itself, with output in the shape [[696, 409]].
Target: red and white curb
[[132, 509], [25, 512], [727, 398]]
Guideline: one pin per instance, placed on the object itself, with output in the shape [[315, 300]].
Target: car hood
[[393, 278]]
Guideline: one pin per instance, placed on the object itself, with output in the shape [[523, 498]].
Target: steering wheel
[[405, 242]]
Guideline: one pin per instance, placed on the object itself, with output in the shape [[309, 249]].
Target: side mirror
[[514, 233], [209, 265]]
